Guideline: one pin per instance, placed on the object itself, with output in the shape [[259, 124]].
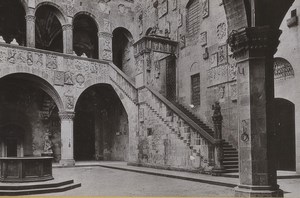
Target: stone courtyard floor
[[118, 179]]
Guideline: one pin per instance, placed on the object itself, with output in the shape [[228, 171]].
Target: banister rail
[[182, 115]]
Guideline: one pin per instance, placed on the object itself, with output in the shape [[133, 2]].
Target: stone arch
[[240, 13], [85, 34], [127, 33], [59, 12], [39, 82], [87, 13], [118, 92], [122, 50], [195, 68], [103, 114]]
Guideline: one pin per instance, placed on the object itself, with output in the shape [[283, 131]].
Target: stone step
[[37, 189], [231, 166], [230, 162]]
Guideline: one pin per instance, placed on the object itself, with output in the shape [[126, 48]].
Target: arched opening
[[285, 132], [12, 22], [85, 36], [27, 115], [48, 29], [122, 51], [100, 126]]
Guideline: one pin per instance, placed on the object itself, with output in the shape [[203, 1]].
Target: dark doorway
[[84, 136], [101, 125], [171, 78], [285, 131]]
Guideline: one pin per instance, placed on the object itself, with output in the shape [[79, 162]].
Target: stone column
[[30, 28], [217, 120], [67, 139], [105, 46], [253, 49], [68, 38]]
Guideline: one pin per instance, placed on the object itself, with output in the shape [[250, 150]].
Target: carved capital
[[67, 27], [67, 115], [260, 40], [104, 35], [30, 18]]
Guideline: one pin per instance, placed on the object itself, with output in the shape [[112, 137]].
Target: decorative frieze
[[157, 44]]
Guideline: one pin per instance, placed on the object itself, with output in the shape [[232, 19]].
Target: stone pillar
[[253, 49], [217, 120], [67, 139], [68, 38], [30, 28], [105, 46]]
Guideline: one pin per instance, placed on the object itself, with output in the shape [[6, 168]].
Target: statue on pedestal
[[47, 145]]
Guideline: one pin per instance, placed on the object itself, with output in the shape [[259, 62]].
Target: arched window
[[12, 22], [48, 29], [85, 36], [283, 70], [122, 50], [193, 17]]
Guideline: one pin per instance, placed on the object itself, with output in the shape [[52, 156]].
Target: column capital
[[30, 18], [67, 115], [254, 39], [67, 27], [104, 34]]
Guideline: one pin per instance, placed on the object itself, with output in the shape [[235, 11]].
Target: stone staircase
[[230, 154]]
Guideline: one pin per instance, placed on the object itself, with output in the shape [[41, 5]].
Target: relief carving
[[223, 55], [107, 26], [205, 8], [2, 56], [21, 57], [80, 79], [11, 56], [232, 68], [163, 9], [68, 78], [221, 31], [29, 58], [51, 61], [38, 58], [59, 78], [213, 60], [203, 38]]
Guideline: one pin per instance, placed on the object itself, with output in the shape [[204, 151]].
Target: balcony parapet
[[63, 70]]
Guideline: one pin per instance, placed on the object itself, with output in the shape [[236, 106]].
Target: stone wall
[[287, 87]]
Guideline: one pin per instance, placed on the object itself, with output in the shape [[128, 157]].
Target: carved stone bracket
[[254, 39], [67, 115]]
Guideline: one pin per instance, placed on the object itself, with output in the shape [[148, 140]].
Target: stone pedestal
[[68, 38], [67, 139], [253, 49], [30, 29], [217, 120], [105, 46]]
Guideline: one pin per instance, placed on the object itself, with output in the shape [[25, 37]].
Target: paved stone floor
[[99, 181]]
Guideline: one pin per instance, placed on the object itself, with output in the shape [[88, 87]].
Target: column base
[[67, 162], [258, 191], [217, 171]]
